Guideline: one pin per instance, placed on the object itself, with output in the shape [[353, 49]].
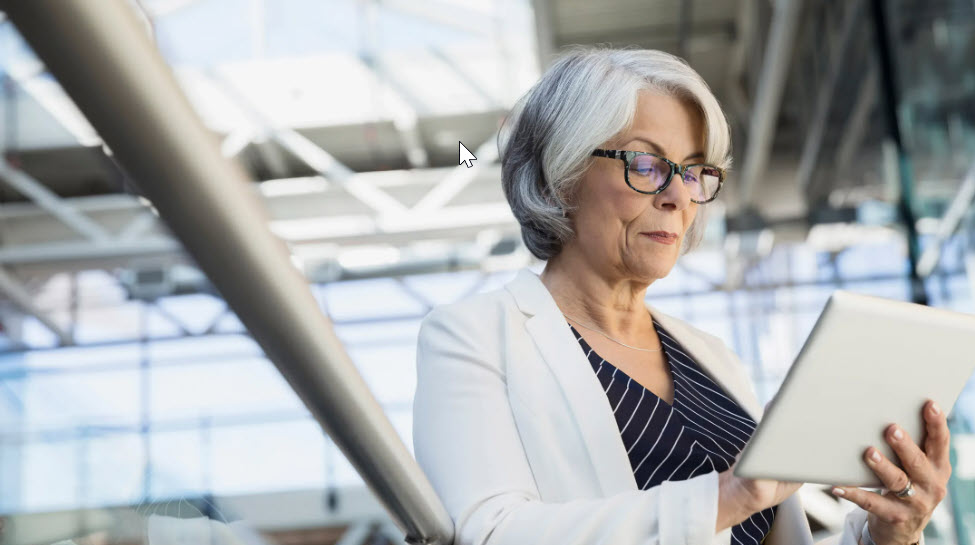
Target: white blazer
[[518, 439]]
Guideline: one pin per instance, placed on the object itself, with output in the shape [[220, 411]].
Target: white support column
[[544, 33]]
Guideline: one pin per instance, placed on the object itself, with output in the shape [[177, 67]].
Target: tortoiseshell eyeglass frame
[[628, 156]]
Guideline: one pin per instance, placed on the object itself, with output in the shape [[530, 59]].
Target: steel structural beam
[[856, 124], [111, 69], [824, 95], [458, 178], [765, 110], [303, 211], [50, 201], [904, 170], [10, 287], [29, 76], [953, 217]]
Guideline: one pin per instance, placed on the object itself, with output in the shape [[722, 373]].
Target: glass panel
[[374, 298], [60, 401], [181, 462], [50, 477], [266, 457], [233, 387]]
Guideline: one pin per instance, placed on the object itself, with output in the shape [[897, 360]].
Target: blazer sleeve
[[466, 441], [853, 524]]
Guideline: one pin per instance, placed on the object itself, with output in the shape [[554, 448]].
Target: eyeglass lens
[[649, 173]]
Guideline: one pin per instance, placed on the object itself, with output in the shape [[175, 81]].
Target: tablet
[[869, 362]]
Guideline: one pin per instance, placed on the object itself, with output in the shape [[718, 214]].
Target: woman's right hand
[[740, 498]]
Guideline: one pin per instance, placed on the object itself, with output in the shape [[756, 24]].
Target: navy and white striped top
[[703, 431]]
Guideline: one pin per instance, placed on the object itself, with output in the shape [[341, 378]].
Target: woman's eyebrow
[[658, 150]]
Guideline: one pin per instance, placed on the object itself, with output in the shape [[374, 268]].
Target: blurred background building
[[128, 388]]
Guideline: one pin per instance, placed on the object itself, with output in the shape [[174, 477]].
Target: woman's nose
[[675, 193]]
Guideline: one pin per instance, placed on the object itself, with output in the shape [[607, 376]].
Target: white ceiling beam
[[51, 97], [138, 226], [23, 300], [405, 111], [275, 161], [162, 8], [452, 15], [283, 196], [236, 141], [314, 156], [465, 77], [459, 178], [303, 212], [27, 254], [48, 200], [306, 150]]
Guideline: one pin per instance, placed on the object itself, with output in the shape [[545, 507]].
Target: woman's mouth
[[662, 237]]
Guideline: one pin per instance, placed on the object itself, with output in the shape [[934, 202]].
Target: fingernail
[[839, 491], [897, 433], [875, 456], [935, 410]]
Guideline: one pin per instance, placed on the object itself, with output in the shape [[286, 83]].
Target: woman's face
[[612, 220]]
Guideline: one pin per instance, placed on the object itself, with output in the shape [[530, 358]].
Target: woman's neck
[[614, 304]]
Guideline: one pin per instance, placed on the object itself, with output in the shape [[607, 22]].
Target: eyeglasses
[[649, 173]]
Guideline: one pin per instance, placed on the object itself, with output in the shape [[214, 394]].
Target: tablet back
[[868, 362]]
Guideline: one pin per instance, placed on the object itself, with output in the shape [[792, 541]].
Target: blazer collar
[[588, 402]]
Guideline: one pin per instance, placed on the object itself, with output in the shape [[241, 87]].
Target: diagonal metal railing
[[105, 60]]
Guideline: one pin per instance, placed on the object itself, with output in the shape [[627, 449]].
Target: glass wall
[[173, 399]]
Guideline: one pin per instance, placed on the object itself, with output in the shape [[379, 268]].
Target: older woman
[[563, 409]]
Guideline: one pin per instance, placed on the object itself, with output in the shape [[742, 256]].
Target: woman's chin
[[649, 272]]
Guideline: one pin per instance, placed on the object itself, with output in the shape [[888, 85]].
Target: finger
[[936, 444], [885, 508], [913, 460], [892, 476]]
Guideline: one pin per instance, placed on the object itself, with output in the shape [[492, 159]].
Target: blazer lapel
[[583, 392]]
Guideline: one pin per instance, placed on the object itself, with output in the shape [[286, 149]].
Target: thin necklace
[[583, 324]]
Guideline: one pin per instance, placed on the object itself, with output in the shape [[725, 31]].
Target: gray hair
[[587, 97]]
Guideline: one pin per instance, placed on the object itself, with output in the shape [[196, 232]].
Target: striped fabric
[[702, 432]]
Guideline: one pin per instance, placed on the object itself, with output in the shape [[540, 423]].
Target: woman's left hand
[[900, 521]]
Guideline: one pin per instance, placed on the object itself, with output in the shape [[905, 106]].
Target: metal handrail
[[104, 59]]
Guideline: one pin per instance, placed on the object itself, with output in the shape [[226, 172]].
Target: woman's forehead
[[641, 142], [665, 125]]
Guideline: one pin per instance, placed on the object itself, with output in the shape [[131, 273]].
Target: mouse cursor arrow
[[465, 156]]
